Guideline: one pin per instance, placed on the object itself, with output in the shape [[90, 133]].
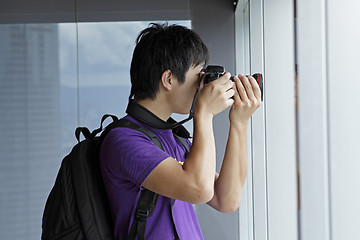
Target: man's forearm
[[233, 172], [201, 162]]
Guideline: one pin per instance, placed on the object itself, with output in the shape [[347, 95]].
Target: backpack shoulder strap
[[145, 207], [187, 149], [148, 199], [183, 142]]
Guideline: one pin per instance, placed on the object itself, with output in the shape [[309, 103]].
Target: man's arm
[[194, 181], [228, 184]]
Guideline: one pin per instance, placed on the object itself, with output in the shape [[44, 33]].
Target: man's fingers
[[240, 88], [224, 79], [248, 86], [256, 88], [230, 93], [229, 84], [236, 96], [224, 83]]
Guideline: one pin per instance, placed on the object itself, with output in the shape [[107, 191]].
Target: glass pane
[[105, 52], [30, 142], [39, 105], [68, 85]]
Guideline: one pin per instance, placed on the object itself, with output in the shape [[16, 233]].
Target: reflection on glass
[[39, 105], [105, 52], [68, 85], [30, 113]]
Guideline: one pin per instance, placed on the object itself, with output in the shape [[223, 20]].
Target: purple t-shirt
[[127, 158]]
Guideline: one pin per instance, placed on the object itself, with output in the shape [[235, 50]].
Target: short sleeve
[[130, 154]]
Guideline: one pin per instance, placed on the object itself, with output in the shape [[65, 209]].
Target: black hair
[[159, 48]]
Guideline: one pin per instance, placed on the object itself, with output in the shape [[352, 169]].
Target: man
[[165, 72]]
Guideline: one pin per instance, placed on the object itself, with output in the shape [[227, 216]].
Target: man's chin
[[183, 112]]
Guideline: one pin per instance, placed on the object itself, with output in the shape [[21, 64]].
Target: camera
[[212, 72]]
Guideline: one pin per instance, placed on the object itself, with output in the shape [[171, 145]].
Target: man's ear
[[166, 79]]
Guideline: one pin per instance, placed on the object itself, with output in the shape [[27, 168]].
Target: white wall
[[319, 133], [313, 135], [328, 58], [269, 207], [280, 119]]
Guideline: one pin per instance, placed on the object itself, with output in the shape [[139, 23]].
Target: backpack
[[77, 206]]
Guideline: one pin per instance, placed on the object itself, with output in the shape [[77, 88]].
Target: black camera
[[213, 72]]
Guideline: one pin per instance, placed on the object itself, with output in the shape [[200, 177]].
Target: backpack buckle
[[143, 214]]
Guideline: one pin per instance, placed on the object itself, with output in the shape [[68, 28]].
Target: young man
[[165, 72]]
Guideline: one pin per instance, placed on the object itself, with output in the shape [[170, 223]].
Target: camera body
[[213, 72]]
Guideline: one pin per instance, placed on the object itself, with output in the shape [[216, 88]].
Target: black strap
[[142, 114], [84, 130], [184, 143], [176, 236], [145, 207], [187, 149], [96, 131]]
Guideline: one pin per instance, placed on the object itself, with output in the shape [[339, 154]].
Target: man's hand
[[216, 96], [247, 99]]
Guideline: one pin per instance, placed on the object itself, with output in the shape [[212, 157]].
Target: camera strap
[[142, 114]]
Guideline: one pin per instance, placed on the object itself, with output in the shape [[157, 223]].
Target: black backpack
[[77, 206]]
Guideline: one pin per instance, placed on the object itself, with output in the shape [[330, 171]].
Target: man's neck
[[157, 107]]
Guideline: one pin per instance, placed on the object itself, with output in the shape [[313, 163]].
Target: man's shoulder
[[121, 135], [127, 143]]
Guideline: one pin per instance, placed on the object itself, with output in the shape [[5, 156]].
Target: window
[[54, 77]]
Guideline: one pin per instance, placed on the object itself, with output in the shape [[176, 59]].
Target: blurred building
[[29, 123]]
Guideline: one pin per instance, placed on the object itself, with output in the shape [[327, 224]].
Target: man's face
[[183, 94]]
